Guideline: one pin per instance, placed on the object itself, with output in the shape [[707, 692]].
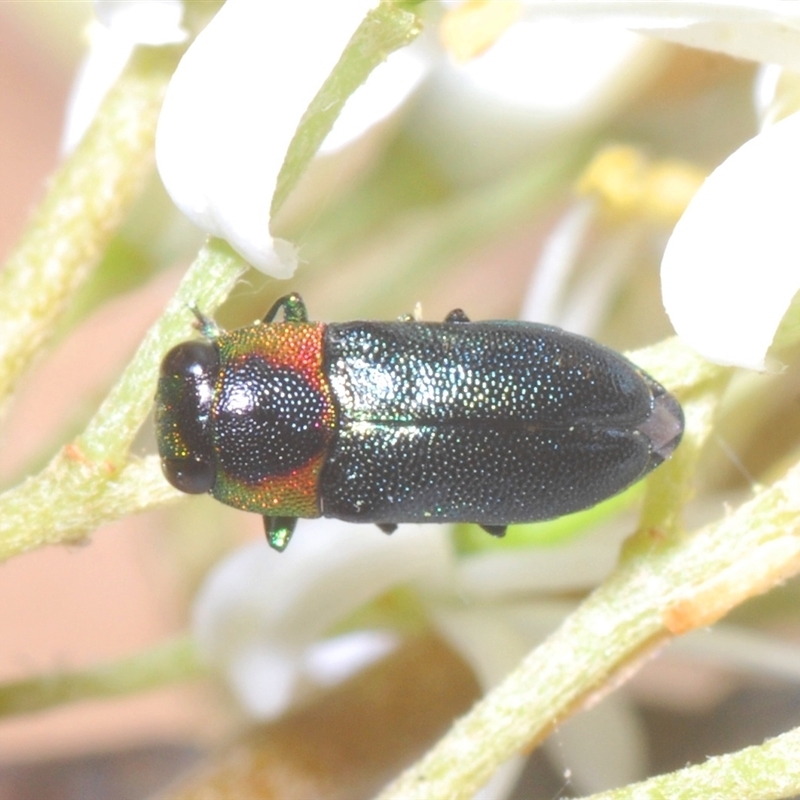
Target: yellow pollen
[[629, 184]]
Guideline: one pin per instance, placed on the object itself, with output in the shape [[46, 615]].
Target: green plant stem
[[71, 497], [209, 280], [85, 203], [92, 480], [385, 29], [662, 587], [172, 661], [764, 772]]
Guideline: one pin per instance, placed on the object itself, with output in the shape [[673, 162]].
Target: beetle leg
[[279, 531], [387, 527], [294, 309], [457, 315], [495, 530]]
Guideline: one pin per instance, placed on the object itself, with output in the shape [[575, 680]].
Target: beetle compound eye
[[188, 475], [183, 408], [190, 361]]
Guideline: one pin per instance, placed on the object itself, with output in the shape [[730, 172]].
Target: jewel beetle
[[494, 423]]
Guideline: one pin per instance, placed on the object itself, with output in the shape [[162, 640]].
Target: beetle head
[[183, 409]]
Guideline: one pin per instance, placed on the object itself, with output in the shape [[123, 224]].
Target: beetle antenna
[[205, 324]]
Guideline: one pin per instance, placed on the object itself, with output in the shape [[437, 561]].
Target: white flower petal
[[386, 88], [232, 109], [776, 94], [263, 679], [612, 258], [333, 660], [106, 59], [544, 78], [760, 30], [572, 566], [766, 32], [575, 86], [732, 264], [262, 607], [559, 257], [765, 89], [152, 22], [123, 25], [592, 284]]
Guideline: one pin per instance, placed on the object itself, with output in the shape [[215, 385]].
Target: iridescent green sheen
[[389, 422], [273, 418], [487, 422]]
